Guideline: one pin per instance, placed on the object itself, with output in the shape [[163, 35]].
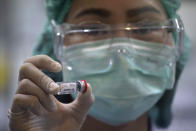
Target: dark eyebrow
[[94, 11], [145, 9]]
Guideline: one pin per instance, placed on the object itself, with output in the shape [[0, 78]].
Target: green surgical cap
[[57, 10]]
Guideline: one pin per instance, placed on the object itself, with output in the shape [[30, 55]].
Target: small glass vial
[[72, 87]]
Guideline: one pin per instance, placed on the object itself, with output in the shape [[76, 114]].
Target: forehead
[[119, 3], [115, 6]]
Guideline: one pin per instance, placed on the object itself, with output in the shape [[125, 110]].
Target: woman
[[127, 50]]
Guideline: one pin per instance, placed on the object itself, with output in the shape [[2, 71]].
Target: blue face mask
[[127, 76]]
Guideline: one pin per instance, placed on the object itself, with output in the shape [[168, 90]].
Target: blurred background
[[21, 22]]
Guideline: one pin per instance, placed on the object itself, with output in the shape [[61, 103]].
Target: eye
[[142, 31], [96, 30]]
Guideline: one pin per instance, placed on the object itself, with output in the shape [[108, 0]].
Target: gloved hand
[[34, 106]]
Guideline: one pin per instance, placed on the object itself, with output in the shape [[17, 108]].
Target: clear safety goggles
[[71, 42], [169, 32]]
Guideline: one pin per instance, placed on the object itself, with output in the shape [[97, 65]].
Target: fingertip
[[53, 88], [91, 93], [89, 89], [56, 66], [59, 66], [84, 101], [89, 85], [88, 95]]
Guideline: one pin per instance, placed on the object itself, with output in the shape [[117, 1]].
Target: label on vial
[[68, 88]]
